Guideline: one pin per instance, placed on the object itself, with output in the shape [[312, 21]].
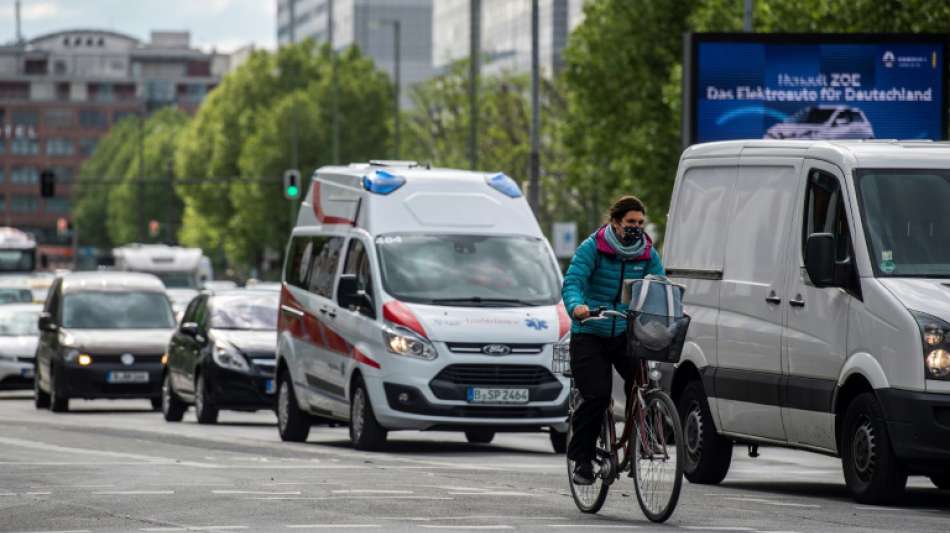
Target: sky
[[223, 24]]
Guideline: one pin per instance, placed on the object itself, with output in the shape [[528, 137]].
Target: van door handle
[[797, 302], [773, 299], [291, 311]]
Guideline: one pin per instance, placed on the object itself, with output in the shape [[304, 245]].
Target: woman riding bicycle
[[620, 250]]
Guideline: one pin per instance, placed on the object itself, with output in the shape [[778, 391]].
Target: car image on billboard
[[823, 122]]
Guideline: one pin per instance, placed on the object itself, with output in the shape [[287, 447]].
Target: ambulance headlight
[[402, 341], [935, 339]]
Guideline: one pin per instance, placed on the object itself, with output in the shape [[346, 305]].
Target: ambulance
[[417, 298]]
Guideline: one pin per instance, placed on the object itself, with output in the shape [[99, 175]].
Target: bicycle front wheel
[[658, 457]]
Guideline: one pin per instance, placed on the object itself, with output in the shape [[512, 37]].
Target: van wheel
[[479, 436], [205, 409], [941, 481], [708, 454], [365, 431], [871, 470], [173, 409], [558, 441], [57, 403], [40, 398], [293, 424]]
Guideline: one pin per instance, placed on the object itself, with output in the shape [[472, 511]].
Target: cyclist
[[618, 251]]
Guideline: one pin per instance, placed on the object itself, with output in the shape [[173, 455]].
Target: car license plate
[[127, 377], [26, 372], [485, 395], [269, 386]]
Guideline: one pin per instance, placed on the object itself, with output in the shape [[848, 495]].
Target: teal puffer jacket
[[594, 279]]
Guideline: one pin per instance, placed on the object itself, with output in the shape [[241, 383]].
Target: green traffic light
[[292, 191]]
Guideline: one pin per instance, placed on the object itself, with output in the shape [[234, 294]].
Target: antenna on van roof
[[392, 163]]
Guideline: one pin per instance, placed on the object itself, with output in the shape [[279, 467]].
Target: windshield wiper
[[486, 301]]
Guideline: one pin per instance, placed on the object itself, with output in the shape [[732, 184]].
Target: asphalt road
[[118, 466]]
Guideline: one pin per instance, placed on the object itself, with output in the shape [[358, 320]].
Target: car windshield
[[811, 115], [468, 270], [17, 323], [117, 310], [906, 221], [14, 260], [177, 280], [257, 311], [12, 295]]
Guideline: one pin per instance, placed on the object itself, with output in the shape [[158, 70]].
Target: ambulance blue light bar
[[382, 182], [504, 185]]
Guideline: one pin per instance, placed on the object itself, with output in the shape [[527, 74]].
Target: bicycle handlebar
[[603, 314]]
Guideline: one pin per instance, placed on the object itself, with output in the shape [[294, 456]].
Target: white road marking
[[216, 528], [594, 526], [259, 492], [491, 493], [371, 491], [773, 502], [64, 531], [344, 497], [718, 528], [133, 492], [331, 526], [38, 493], [164, 529], [495, 527]]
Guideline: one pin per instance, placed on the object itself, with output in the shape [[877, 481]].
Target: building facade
[[505, 33], [61, 92], [367, 24]]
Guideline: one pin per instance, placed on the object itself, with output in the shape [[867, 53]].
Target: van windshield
[[177, 280], [468, 270], [117, 310], [906, 221]]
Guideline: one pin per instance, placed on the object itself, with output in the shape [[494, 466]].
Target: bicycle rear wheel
[[658, 457], [590, 498]]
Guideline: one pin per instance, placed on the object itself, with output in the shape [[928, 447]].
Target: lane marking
[[259, 492], [331, 526], [594, 526], [773, 502], [492, 493], [718, 528], [38, 493], [133, 492], [216, 528], [496, 527], [370, 491], [164, 529], [328, 498]]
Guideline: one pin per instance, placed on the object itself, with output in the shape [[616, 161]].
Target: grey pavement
[[116, 466]]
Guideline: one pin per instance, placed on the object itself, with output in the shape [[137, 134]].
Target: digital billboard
[[814, 86]]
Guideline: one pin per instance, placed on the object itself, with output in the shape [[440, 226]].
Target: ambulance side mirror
[[350, 296]]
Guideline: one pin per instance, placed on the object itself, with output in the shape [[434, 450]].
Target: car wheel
[[205, 409], [479, 436], [708, 454], [558, 441], [40, 397], [292, 423], [57, 403], [365, 431], [173, 409], [871, 470]]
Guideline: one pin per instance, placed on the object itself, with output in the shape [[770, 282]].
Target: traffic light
[[47, 183], [292, 184], [153, 228]]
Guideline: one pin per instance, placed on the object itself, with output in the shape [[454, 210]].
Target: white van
[[418, 298], [183, 270], [819, 289]]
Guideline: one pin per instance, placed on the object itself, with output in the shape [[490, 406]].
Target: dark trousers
[[591, 360]]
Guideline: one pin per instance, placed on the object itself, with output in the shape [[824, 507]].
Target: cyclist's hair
[[624, 205]]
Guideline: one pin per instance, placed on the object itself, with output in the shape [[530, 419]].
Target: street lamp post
[[397, 75]]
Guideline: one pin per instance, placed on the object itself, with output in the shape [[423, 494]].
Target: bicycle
[[651, 427]]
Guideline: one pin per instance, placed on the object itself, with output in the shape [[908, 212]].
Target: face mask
[[631, 234]]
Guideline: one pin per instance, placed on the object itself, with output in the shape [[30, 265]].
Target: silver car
[[18, 336], [823, 122]]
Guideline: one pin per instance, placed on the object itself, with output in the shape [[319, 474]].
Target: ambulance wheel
[[365, 431]]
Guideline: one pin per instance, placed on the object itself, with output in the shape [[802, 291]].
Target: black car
[[222, 356], [102, 335]]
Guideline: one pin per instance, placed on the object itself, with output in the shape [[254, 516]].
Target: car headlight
[[227, 356], [935, 338], [561, 362], [402, 341]]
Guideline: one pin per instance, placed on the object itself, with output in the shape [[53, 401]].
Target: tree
[[240, 143]]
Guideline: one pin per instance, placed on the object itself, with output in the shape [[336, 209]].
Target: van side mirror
[[350, 296], [189, 328], [820, 259], [45, 322]]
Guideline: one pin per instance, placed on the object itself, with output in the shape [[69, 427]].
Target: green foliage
[[241, 143], [108, 209]]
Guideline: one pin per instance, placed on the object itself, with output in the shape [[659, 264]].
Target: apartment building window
[[24, 175], [1, 175], [101, 92], [34, 66], [14, 90], [87, 146], [118, 116], [57, 205], [22, 204], [22, 117], [3, 203], [63, 174], [3, 147], [62, 91], [24, 147], [92, 118], [59, 147], [59, 118], [160, 91]]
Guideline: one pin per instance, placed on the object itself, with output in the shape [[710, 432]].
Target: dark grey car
[[102, 335]]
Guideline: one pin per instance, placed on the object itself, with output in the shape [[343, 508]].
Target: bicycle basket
[[656, 330]]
